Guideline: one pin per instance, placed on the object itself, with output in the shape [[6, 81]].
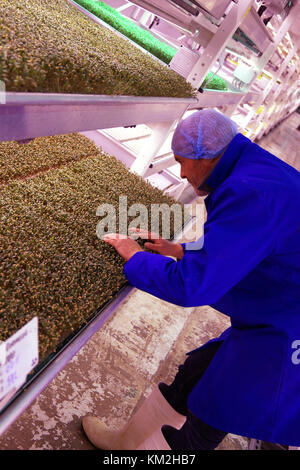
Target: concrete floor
[[142, 344]]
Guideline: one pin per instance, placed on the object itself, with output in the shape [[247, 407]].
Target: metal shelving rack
[[214, 29]]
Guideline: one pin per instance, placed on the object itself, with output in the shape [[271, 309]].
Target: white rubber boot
[[153, 413], [155, 442]]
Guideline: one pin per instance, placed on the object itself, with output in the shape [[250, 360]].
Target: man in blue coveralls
[[247, 266]]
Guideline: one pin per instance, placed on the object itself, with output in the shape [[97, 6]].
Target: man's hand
[[125, 246], [158, 244]]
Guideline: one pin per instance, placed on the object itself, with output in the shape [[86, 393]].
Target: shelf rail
[[30, 115]]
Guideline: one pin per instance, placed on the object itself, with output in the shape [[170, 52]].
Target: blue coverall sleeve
[[238, 235]]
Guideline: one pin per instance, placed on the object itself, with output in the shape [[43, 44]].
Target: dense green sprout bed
[[140, 36], [18, 161], [125, 26], [52, 264], [52, 47]]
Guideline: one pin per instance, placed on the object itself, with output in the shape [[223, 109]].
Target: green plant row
[[53, 47], [144, 38], [52, 264], [216, 83], [125, 26]]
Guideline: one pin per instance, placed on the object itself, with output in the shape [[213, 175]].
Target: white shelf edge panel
[[30, 115], [212, 98]]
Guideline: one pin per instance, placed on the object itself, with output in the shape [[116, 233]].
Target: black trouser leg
[[189, 373], [194, 434]]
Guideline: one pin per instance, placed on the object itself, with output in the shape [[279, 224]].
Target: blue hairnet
[[203, 134]]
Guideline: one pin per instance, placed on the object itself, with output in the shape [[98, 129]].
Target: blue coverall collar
[[226, 163]]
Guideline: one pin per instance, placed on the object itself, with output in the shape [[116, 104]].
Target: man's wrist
[[179, 251], [133, 252]]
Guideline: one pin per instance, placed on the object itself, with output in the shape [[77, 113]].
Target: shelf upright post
[[277, 92], [177, 191], [285, 81], [278, 74], [230, 110], [262, 61], [218, 42], [160, 132]]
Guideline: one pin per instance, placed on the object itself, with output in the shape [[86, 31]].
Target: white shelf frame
[[215, 40]]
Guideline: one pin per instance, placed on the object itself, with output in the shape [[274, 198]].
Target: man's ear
[[214, 161], [208, 162]]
